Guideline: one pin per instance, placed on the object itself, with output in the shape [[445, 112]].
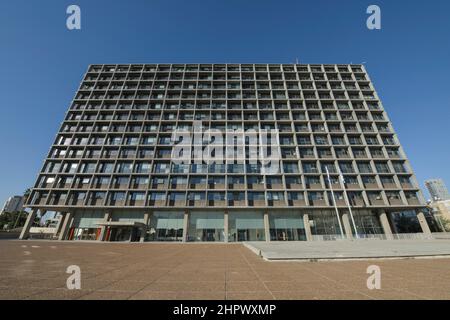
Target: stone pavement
[[37, 270], [345, 249]]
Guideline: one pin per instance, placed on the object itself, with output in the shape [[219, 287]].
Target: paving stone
[[205, 272]]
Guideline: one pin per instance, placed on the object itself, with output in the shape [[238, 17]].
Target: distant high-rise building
[[437, 189], [126, 163], [13, 204], [441, 210]]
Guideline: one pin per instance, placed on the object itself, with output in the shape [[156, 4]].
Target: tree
[[445, 223], [13, 219], [26, 195]]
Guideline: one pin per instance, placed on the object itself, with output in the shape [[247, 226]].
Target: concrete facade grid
[[320, 111]]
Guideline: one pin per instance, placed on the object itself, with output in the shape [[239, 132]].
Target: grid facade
[[437, 189], [114, 146]]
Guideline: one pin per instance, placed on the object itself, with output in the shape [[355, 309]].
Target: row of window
[[225, 67], [285, 152], [220, 82], [222, 95], [222, 182], [281, 126], [268, 118], [232, 67], [261, 86], [193, 198], [231, 139], [230, 74], [249, 167], [232, 85], [246, 106], [226, 75]]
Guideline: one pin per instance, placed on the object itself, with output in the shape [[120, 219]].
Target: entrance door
[[209, 235], [120, 234], [242, 235]]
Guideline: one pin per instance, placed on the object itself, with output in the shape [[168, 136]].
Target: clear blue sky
[[42, 62]]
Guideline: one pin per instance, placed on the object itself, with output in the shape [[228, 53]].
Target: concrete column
[[131, 234], [307, 227], [103, 232], [266, 226], [423, 222], [225, 226], [347, 225], [185, 226], [59, 224], [144, 229], [25, 233], [65, 226], [385, 224], [390, 217]]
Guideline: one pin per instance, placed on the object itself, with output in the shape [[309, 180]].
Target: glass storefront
[[367, 222], [166, 226], [406, 222], [243, 225], [246, 226], [85, 234], [121, 234], [432, 222], [125, 233], [85, 226], [128, 216], [206, 226], [286, 227], [324, 222]]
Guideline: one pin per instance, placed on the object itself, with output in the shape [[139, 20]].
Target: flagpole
[[334, 201], [341, 179]]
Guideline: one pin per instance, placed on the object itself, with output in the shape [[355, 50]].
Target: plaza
[[203, 271]]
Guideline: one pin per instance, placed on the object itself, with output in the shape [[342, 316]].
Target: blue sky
[[42, 62]]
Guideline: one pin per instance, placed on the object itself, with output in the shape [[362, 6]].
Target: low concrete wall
[[349, 249], [252, 248], [441, 235], [42, 230]]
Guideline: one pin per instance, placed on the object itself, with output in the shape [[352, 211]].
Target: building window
[[324, 223], [286, 227], [166, 226], [245, 226], [206, 226]]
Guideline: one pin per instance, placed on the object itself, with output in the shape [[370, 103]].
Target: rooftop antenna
[[296, 60]]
